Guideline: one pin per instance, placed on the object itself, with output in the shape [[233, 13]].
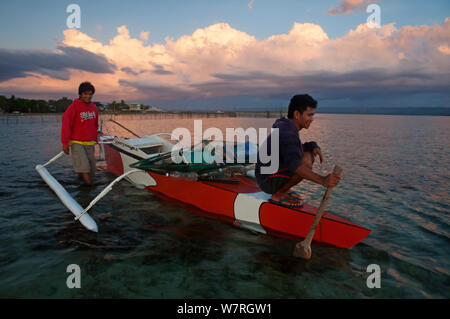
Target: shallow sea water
[[396, 183]]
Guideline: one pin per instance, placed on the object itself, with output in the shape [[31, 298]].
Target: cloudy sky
[[229, 54]]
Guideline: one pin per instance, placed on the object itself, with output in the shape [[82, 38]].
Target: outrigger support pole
[[54, 158], [106, 191]]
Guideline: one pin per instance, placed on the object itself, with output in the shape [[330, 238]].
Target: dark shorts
[[275, 181]]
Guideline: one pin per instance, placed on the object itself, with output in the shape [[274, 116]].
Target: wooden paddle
[[303, 249]]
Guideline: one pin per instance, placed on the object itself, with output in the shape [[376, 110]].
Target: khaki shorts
[[83, 158]]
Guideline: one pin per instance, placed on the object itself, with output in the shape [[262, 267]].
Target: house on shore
[[135, 106]]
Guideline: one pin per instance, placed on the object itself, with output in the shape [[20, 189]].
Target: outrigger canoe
[[237, 199]]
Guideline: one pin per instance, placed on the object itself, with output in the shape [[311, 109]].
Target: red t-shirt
[[79, 123]]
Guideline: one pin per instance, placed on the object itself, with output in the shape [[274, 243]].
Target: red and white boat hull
[[243, 203]]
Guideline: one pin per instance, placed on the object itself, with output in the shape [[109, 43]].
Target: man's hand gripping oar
[[303, 249]]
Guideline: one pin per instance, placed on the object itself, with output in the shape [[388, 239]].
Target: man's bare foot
[[86, 177]]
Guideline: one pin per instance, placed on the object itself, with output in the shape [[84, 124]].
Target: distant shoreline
[[435, 111], [432, 111]]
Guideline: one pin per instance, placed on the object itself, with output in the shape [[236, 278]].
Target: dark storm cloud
[[159, 69], [354, 85], [18, 63], [358, 85], [129, 70]]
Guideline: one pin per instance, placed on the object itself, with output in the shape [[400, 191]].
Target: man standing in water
[[79, 132], [295, 159]]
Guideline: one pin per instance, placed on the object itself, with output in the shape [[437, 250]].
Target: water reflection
[[396, 182]]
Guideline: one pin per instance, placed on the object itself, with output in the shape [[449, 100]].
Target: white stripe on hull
[[246, 210], [141, 180]]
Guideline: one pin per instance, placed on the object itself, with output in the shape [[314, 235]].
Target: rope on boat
[[125, 128]]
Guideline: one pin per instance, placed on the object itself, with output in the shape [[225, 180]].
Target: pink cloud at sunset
[[221, 61], [350, 6]]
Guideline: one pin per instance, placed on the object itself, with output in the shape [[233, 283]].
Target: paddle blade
[[302, 250]]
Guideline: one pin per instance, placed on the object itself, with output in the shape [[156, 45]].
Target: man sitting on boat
[[295, 159], [79, 132]]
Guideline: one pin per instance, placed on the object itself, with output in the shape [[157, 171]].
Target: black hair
[[86, 87], [300, 103]]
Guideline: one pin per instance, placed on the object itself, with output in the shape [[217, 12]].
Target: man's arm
[[66, 128], [309, 146], [330, 180], [314, 149]]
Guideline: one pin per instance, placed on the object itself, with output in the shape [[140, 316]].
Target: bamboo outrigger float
[[65, 197]]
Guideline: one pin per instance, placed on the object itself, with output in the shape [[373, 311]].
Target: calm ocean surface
[[396, 182]]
